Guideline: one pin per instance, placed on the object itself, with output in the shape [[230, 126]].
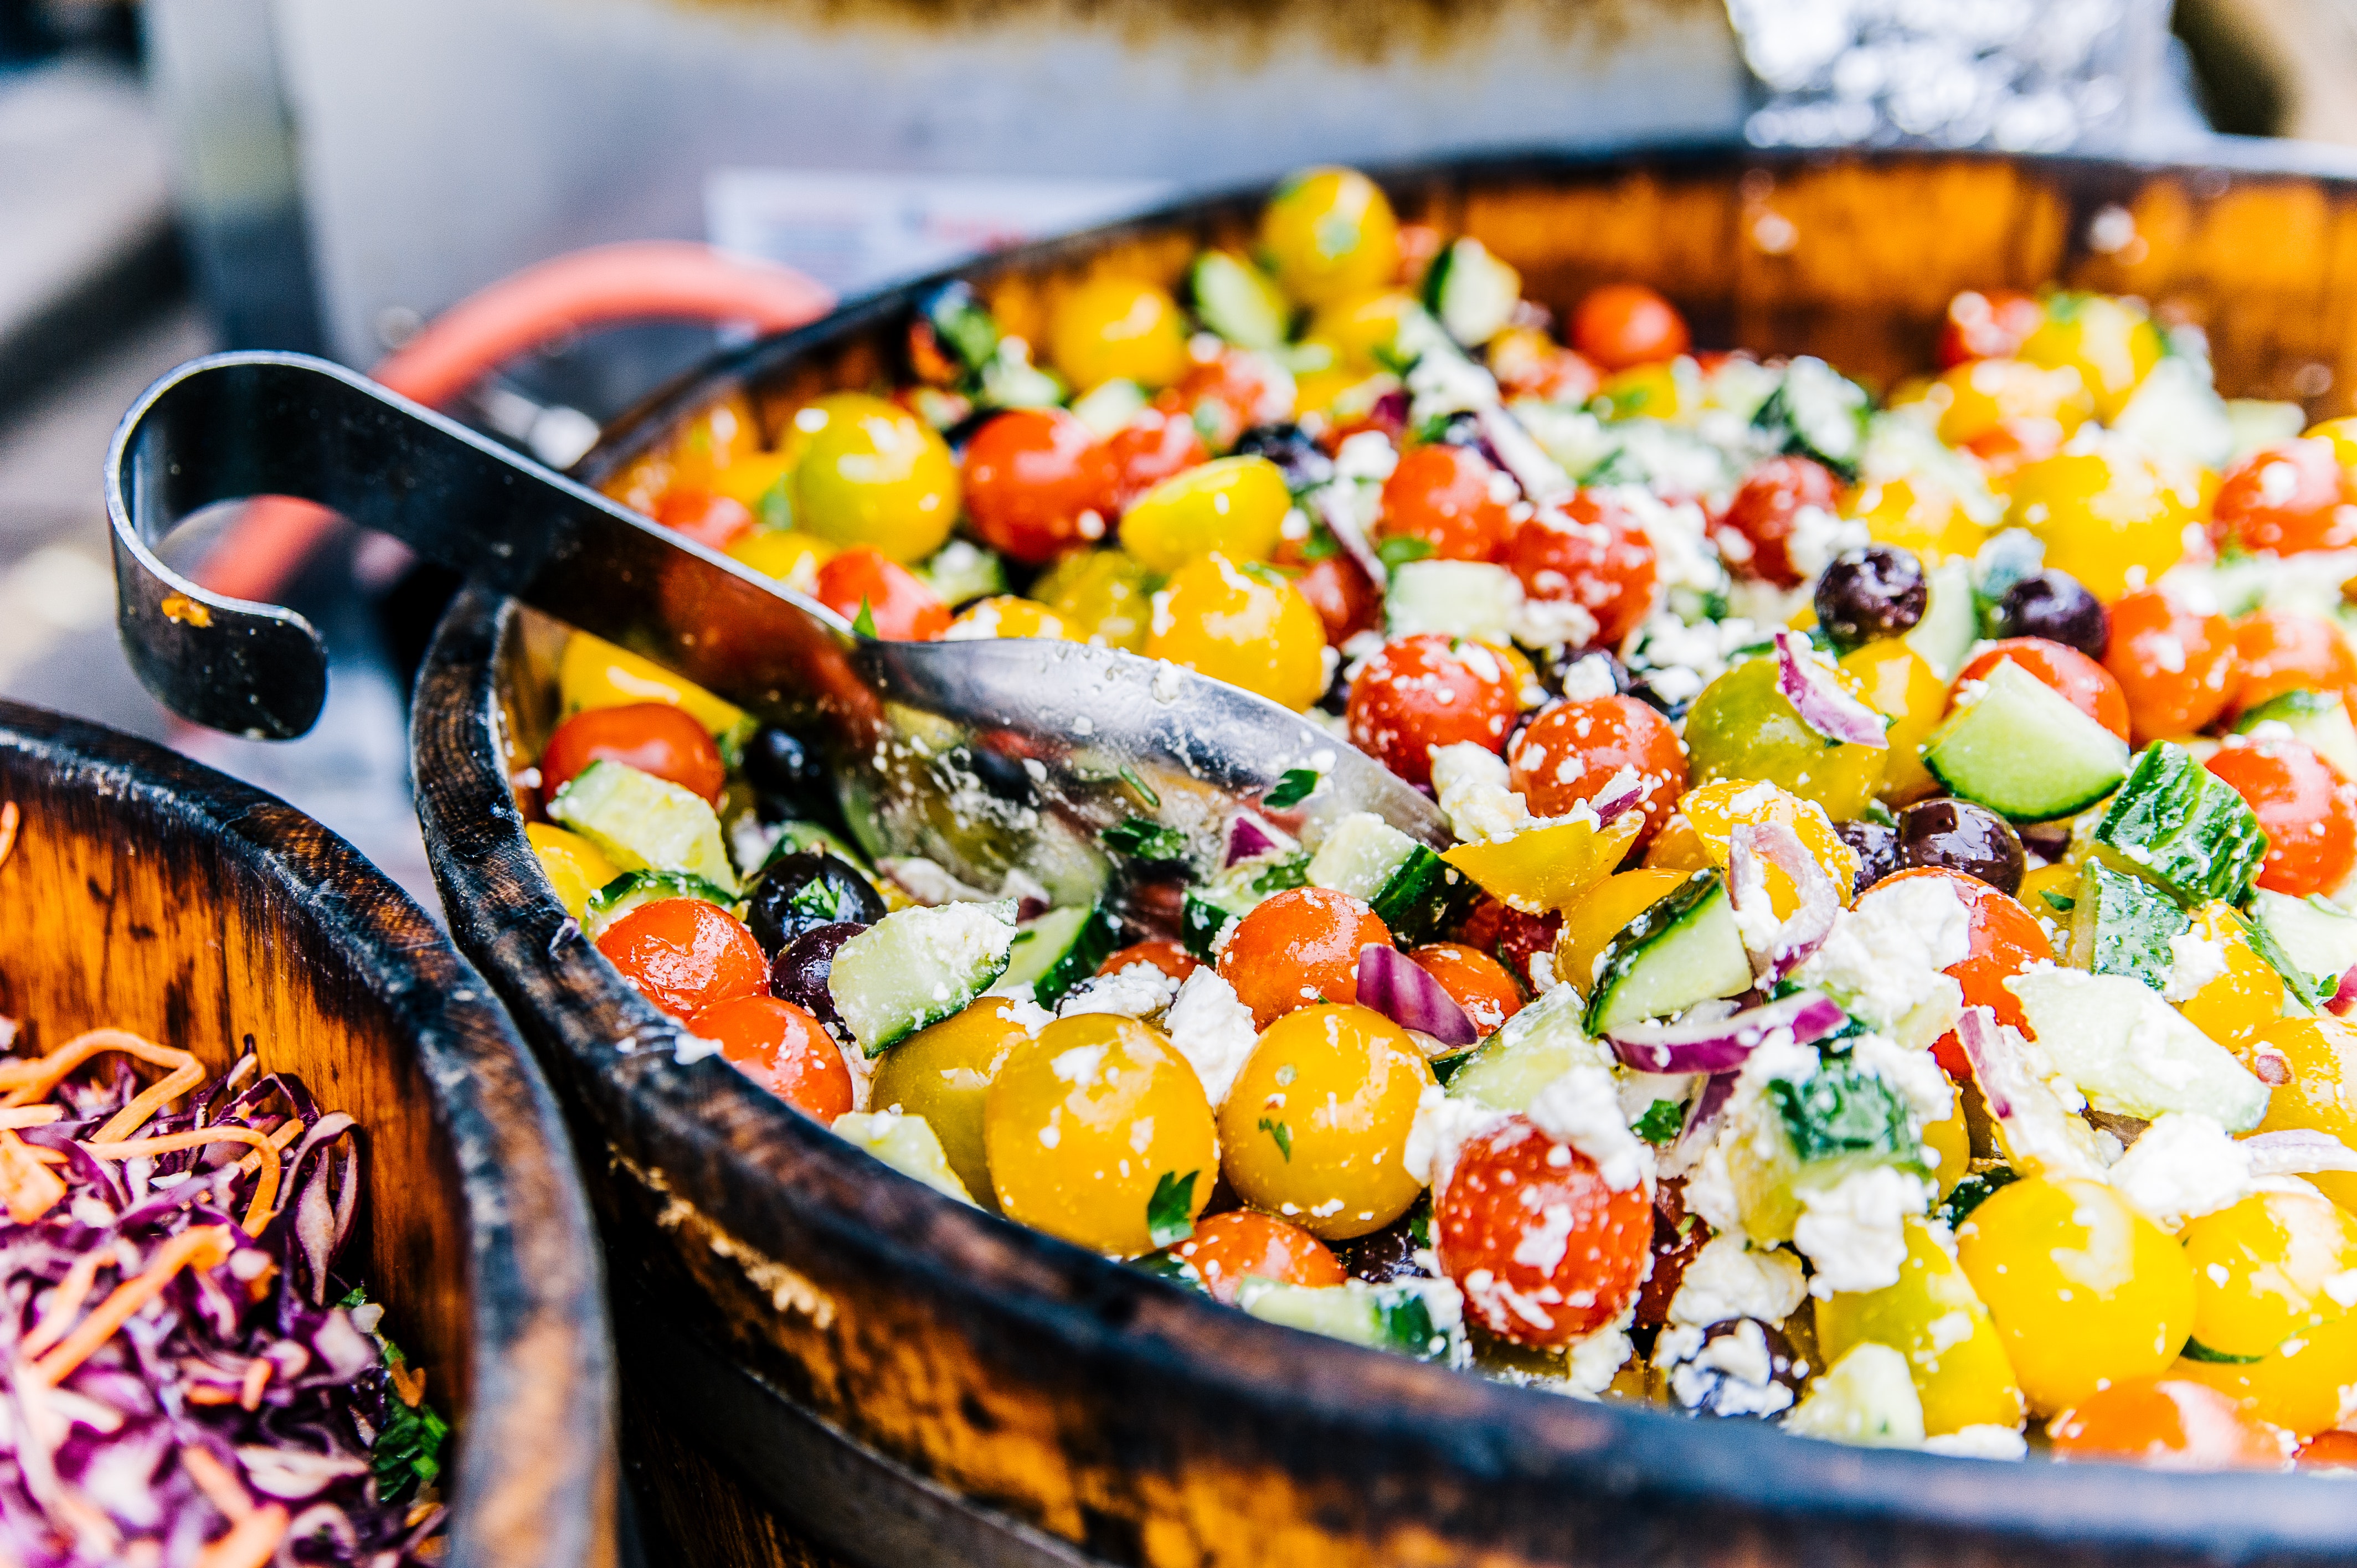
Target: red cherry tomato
[[783, 1049], [1167, 956], [1032, 479], [1626, 324], [1341, 593], [1298, 949], [1753, 534], [713, 521], [1588, 553], [1141, 455], [1474, 981], [2006, 939], [2175, 665], [2285, 499], [2172, 1422], [1992, 324], [1544, 1250], [1228, 1249], [1573, 749], [1226, 395], [1512, 938], [1430, 690], [653, 737], [2282, 650], [2087, 685], [685, 955], [2306, 807], [898, 603], [1452, 499]]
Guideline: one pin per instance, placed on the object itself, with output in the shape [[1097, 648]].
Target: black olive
[[2058, 607], [1716, 1379], [1956, 835], [1302, 461], [1384, 1255], [1556, 661], [1871, 593], [1003, 776], [786, 774], [799, 974], [806, 888], [1877, 845]]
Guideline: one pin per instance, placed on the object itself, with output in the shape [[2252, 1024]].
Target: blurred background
[[329, 176]]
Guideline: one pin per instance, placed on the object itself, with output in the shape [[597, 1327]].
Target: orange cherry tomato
[[2308, 810], [1474, 981], [1229, 1249], [1226, 395], [1626, 324], [1573, 749], [685, 955], [1990, 323], [1167, 956], [1141, 455], [1544, 1250], [2170, 1423], [1339, 590], [1588, 553], [897, 602], [2332, 1450], [713, 521], [1510, 936], [1431, 690], [1449, 498], [2006, 939], [1033, 478], [2285, 499], [2282, 650], [1298, 949], [1753, 531], [783, 1049], [2175, 664], [653, 737], [2087, 685]]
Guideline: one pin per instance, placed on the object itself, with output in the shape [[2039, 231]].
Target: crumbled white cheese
[[1817, 536], [2184, 1165], [1442, 1126], [1140, 991], [1710, 1186], [1745, 1370], [1553, 623], [927, 882], [1023, 1006], [2195, 961], [1990, 1442], [1679, 660], [1730, 1278], [1368, 455], [1587, 679], [1444, 382], [1593, 1360], [1884, 955], [1683, 556], [1212, 1030], [1916, 1075], [1853, 1231], [1480, 806], [1582, 1108]]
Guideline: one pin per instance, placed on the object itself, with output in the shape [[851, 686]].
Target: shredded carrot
[[250, 1542], [409, 1383], [26, 1082], [257, 1377], [209, 1393], [280, 1137], [206, 1247], [71, 1291], [220, 1485], [32, 1188], [10, 819], [265, 1190]]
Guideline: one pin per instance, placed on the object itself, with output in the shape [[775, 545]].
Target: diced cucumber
[[962, 569], [1009, 380], [1816, 412], [2317, 936], [2319, 718], [2184, 827], [1867, 1397], [907, 1143], [1238, 300], [632, 888], [2131, 1054], [916, 967], [2121, 924], [1060, 948], [1462, 598], [1109, 407], [1685, 949], [2176, 409], [1210, 908], [1409, 888], [962, 325], [1396, 1317], [2023, 751], [1838, 1120], [1534, 1048], [645, 823], [1944, 638], [1472, 292]]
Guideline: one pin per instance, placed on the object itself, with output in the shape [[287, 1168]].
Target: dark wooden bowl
[[910, 1382], [150, 893]]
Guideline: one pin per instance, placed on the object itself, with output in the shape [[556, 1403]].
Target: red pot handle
[[638, 281]]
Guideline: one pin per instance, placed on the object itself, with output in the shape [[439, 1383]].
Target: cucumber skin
[[2177, 822], [1099, 935], [1628, 950], [1952, 754], [1419, 897], [2128, 922]]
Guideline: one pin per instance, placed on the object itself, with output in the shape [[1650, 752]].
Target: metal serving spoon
[[988, 758]]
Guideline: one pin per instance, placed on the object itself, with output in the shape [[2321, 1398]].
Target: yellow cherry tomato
[[944, 1075], [1316, 1127], [1932, 1317], [1677, 847], [593, 673], [1715, 810], [1007, 615], [1602, 913], [1243, 624], [1233, 505], [713, 441], [1086, 1121], [1328, 233], [2248, 996], [1118, 329], [1917, 516], [874, 474], [762, 481], [1649, 391], [2317, 1056], [1105, 596], [2085, 1291], [1949, 1143], [2111, 344], [2304, 1385], [2108, 517], [1908, 692], [1984, 395], [2342, 434], [790, 557], [574, 867], [2264, 1269], [1743, 729], [1361, 326], [2061, 880]]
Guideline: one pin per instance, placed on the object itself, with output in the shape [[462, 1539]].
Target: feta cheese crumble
[[2194, 961], [1139, 991], [1582, 1108], [1212, 1030], [1855, 1230], [1730, 1278], [1884, 957]]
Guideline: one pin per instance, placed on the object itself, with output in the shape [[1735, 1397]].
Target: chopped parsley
[[1292, 786], [1170, 1212], [1145, 838], [2060, 903], [1282, 1134], [1293, 871], [1660, 1122], [1129, 775], [864, 623], [1402, 548], [2196, 1351]]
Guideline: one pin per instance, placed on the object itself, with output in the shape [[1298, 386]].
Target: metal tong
[[1003, 761]]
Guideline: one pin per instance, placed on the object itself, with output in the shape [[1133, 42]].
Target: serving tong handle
[[988, 758]]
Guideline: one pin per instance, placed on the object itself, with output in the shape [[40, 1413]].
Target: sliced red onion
[[1249, 836], [1723, 1044], [1394, 985], [1541, 476], [1627, 800], [1337, 509], [1819, 699], [1991, 1055], [2302, 1152], [1795, 939], [2345, 996], [1701, 1124]]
